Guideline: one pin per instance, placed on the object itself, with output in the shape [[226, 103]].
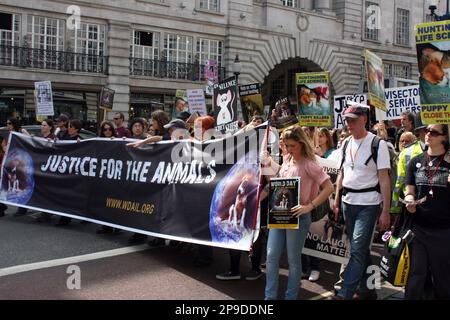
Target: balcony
[[24, 57], [170, 70]]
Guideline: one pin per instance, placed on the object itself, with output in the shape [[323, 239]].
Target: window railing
[[169, 70], [24, 57]]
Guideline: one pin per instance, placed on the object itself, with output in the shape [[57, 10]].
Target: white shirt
[[359, 176]]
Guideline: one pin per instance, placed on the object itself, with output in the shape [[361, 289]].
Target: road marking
[[323, 295], [71, 260]]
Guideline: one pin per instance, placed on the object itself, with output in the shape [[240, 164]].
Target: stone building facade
[[147, 49]]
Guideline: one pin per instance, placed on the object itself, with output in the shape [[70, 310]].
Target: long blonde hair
[[297, 134]]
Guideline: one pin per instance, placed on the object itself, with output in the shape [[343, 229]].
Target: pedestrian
[[428, 178], [363, 184], [121, 130], [301, 162]]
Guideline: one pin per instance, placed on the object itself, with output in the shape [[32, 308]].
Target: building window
[[88, 43], [145, 45], [209, 49], [46, 33], [402, 32], [145, 53], [178, 48], [290, 3], [9, 38], [210, 5], [372, 21], [397, 70]]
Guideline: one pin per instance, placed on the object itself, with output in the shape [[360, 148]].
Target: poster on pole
[[196, 101], [340, 105], [283, 115], [251, 101], [399, 100], [313, 98], [225, 106], [375, 80], [433, 54], [44, 98], [211, 75], [107, 98]]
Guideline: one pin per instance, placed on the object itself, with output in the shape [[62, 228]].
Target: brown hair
[[326, 133], [297, 134]]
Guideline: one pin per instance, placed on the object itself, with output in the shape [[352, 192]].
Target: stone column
[[119, 65]]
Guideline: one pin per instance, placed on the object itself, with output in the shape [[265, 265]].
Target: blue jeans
[[360, 223], [294, 240]]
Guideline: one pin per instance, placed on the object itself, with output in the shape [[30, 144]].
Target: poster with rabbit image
[[314, 99], [225, 106], [433, 54], [375, 80]]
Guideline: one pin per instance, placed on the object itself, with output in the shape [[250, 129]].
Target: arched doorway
[[280, 82]]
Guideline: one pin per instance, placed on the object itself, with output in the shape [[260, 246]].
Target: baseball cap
[[62, 117], [355, 110], [176, 124]]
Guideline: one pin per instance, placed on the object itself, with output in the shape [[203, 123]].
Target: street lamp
[[237, 67], [432, 6]]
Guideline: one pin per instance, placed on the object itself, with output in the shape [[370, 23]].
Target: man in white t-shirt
[[364, 186]]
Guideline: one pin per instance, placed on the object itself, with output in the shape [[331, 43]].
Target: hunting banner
[[433, 54], [375, 80], [313, 98]]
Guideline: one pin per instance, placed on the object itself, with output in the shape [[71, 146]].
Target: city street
[[35, 258]]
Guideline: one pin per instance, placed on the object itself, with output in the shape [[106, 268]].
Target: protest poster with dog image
[[375, 80], [251, 101], [284, 193], [283, 114], [433, 54], [313, 98], [225, 106]]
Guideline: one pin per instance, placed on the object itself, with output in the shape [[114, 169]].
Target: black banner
[[183, 190]]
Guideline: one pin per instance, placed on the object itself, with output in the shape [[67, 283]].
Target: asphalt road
[[34, 260]]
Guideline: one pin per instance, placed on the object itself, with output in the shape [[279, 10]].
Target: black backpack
[[374, 151]]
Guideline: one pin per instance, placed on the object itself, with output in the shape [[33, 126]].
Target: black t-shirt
[[434, 212]]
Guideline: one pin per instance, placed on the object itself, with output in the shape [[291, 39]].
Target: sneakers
[[254, 275], [314, 275], [229, 276]]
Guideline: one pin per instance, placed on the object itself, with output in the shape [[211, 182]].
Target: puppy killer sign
[[225, 106], [433, 46]]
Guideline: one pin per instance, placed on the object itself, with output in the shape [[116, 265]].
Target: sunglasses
[[434, 133], [107, 129], [116, 118], [8, 123]]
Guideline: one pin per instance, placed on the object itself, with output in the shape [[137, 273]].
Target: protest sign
[[433, 46], [340, 105], [225, 106], [375, 80], [175, 190], [196, 101], [251, 101], [43, 97], [313, 98], [399, 100]]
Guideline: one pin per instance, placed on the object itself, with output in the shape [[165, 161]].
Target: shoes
[[229, 276], [314, 275], [370, 295], [41, 217], [137, 238], [157, 242], [20, 212], [254, 275], [63, 221]]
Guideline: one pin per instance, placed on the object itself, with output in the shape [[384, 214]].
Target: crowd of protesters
[[410, 163]]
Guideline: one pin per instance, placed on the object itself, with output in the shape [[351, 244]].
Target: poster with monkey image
[[284, 193], [375, 80], [314, 100], [433, 54]]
